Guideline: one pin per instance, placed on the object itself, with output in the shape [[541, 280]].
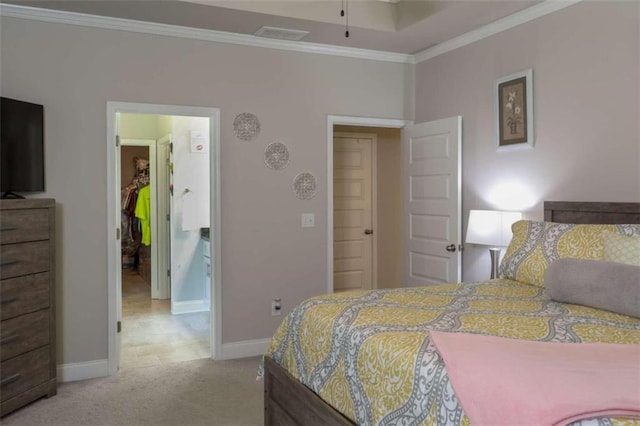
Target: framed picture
[[514, 108]]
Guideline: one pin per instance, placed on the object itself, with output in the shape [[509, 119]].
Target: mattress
[[368, 353]]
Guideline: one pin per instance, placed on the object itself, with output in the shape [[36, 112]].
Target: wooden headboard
[[591, 212]]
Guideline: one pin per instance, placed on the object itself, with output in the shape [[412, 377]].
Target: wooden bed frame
[[289, 402]]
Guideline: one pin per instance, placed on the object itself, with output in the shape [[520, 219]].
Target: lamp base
[[495, 260]]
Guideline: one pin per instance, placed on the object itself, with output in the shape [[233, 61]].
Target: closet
[[136, 210]]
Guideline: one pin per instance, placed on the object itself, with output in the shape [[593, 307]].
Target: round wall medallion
[[276, 155], [304, 186], [246, 126]]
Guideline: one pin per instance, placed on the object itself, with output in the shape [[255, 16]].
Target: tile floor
[[151, 335]]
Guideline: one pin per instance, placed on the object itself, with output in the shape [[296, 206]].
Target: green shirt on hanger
[[143, 212]]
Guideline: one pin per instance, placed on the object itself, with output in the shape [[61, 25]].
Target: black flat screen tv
[[21, 147]]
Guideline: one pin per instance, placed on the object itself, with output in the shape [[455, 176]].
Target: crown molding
[[495, 27], [86, 20]]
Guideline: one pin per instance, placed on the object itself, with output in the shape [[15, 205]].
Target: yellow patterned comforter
[[368, 353]]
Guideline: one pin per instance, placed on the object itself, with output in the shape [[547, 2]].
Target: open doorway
[[160, 325], [164, 272], [431, 198], [367, 207], [367, 125]]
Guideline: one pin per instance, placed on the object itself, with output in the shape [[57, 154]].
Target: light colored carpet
[[200, 392]]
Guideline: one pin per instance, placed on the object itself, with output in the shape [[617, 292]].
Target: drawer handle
[[9, 339], [8, 262], [8, 300], [10, 379], [8, 228]]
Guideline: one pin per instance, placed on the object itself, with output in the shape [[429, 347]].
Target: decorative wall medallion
[[276, 155], [246, 126], [304, 186]]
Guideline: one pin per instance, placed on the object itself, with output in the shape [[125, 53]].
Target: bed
[[310, 369]]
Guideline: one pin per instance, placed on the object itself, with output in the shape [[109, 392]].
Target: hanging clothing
[[131, 225], [125, 195], [142, 172], [143, 212], [131, 234]]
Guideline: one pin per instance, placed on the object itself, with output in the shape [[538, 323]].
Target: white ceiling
[[401, 26]]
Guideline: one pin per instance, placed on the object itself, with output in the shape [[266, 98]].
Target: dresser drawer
[[17, 226], [23, 259], [24, 372], [22, 295], [24, 333]]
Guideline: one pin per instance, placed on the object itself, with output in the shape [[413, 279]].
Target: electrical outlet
[[276, 307]]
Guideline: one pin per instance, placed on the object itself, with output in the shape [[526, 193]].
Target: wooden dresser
[[27, 297]]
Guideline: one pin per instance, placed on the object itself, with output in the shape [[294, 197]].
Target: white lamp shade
[[491, 227]]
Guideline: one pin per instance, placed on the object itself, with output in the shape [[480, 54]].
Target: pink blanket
[[502, 381]]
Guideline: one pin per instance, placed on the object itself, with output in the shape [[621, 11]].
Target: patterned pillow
[[536, 244], [621, 248]]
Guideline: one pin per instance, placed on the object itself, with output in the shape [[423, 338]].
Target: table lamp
[[491, 228]]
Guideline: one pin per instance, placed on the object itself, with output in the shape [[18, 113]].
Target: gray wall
[[74, 71], [585, 60], [586, 75]]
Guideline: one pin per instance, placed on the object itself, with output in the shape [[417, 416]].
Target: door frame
[[163, 237], [151, 144], [333, 120], [114, 264]]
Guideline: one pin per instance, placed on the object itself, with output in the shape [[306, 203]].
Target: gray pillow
[[605, 285]]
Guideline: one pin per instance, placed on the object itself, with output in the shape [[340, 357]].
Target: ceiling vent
[[281, 33]]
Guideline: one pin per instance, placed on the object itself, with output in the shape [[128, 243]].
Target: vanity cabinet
[[27, 302]]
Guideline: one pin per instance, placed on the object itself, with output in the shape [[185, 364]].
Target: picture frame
[[514, 111]]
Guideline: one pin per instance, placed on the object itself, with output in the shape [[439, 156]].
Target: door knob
[[451, 247], [368, 231]]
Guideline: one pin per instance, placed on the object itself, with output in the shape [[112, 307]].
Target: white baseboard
[[244, 349], [100, 368], [189, 306], [83, 370]]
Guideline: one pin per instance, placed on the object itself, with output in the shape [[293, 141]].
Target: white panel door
[[164, 217], [352, 213], [432, 202]]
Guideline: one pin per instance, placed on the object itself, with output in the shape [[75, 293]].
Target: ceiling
[[400, 26]]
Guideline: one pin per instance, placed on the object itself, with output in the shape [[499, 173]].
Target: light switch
[[308, 220]]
